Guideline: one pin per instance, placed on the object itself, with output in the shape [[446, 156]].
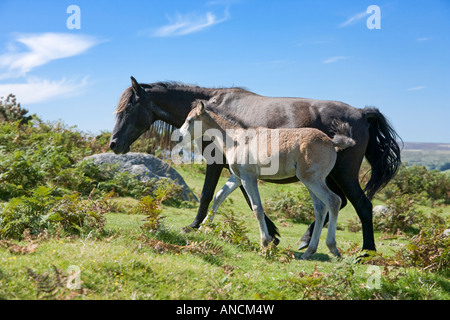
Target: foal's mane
[[217, 116]]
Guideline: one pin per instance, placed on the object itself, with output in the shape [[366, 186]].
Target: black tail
[[383, 151]]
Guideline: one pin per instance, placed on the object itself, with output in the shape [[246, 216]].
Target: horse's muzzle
[[117, 148]]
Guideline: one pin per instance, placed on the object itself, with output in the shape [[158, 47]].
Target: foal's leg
[[306, 238], [250, 184], [320, 211], [331, 203], [231, 185]]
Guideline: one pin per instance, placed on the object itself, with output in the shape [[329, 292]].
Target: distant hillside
[[434, 156], [426, 146]]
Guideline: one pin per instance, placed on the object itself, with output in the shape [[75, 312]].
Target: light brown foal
[[275, 154]]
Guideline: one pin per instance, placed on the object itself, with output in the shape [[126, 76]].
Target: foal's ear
[[200, 107], [135, 85]]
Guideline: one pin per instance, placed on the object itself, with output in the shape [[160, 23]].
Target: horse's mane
[[128, 93]]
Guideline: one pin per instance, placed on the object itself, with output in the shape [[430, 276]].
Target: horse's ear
[[135, 85], [200, 107]]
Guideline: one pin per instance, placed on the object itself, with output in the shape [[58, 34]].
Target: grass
[[129, 263]]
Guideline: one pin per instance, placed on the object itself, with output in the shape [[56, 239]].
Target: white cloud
[[416, 88], [423, 39], [186, 24], [36, 90], [37, 50], [335, 59], [41, 49], [353, 19]]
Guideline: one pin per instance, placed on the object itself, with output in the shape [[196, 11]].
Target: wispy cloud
[[41, 49], [423, 39], [36, 90], [353, 19], [416, 88], [335, 59], [189, 23], [30, 51]]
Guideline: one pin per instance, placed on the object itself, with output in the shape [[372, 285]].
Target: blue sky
[[316, 49]]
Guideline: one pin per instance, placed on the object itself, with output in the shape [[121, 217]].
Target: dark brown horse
[[142, 104]]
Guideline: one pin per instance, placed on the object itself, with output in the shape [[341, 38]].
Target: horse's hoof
[[276, 241], [303, 245], [188, 229]]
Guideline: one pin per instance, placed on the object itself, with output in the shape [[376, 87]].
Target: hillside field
[[128, 262]]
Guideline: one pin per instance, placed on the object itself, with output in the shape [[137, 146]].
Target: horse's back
[[252, 110]]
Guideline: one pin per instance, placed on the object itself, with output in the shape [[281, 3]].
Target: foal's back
[[307, 151]]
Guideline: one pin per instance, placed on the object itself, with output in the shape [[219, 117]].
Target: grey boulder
[[145, 167]]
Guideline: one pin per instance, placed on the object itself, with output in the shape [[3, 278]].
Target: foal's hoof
[[305, 256], [308, 254]]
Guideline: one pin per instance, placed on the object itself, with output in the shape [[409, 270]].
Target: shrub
[[429, 250], [427, 187], [43, 211], [76, 216], [11, 111], [26, 213], [297, 207], [151, 205], [400, 215], [231, 230]]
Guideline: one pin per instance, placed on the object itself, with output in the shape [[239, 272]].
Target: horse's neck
[[173, 105]]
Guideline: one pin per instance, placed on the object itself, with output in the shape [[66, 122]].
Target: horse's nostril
[[112, 145]]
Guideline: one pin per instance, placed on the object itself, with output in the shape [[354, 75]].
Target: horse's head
[[134, 117]]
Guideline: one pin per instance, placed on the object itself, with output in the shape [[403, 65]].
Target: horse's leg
[[250, 184], [231, 185], [363, 208], [211, 179], [306, 238], [345, 174]]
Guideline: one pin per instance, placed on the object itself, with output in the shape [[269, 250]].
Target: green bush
[[400, 215], [44, 211], [427, 187], [429, 250], [10, 110], [297, 207], [35, 153]]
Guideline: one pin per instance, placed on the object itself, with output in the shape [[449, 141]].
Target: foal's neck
[[221, 122]]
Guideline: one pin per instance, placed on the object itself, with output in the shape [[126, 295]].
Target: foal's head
[[196, 122]]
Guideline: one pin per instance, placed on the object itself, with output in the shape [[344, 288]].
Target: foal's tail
[[343, 135], [383, 151]]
